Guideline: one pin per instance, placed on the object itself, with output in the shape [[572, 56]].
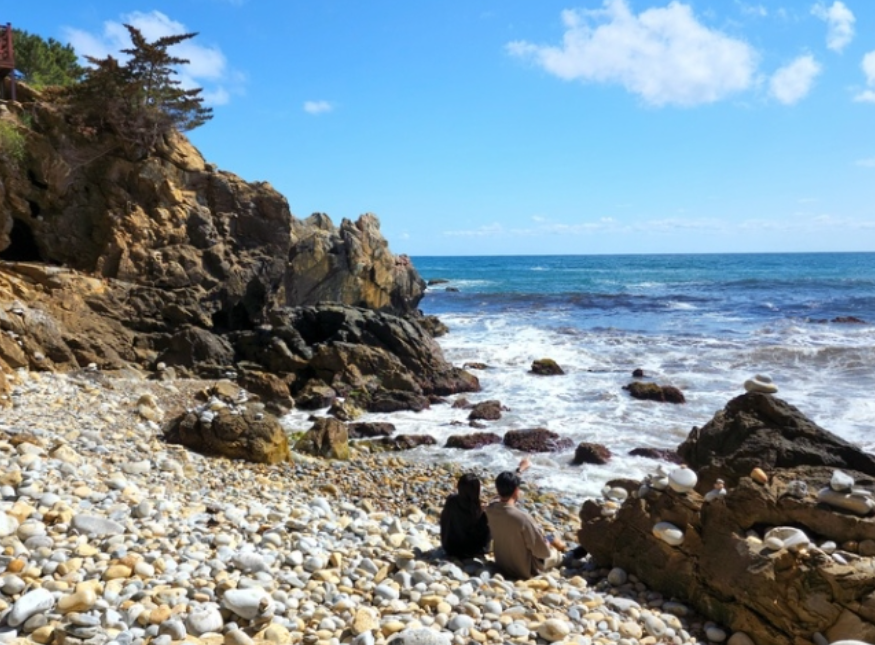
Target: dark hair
[[469, 492], [506, 483]]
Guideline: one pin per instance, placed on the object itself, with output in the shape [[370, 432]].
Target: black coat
[[464, 530]]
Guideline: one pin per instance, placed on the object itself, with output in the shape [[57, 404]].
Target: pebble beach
[[110, 535]]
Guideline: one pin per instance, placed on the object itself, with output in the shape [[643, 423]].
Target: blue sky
[[521, 127]]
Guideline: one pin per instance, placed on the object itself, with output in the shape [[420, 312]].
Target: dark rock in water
[[654, 392], [475, 366], [486, 411], [638, 373], [472, 441], [451, 290], [758, 430], [477, 425], [591, 453], [546, 367], [849, 319], [536, 440], [435, 281], [315, 396], [461, 403], [370, 429], [403, 442], [780, 595], [397, 400], [657, 453], [327, 438], [433, 326], [251, 435]]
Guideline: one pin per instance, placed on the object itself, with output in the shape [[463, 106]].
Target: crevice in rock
[[36, 182], [35, 209], [23, 247]]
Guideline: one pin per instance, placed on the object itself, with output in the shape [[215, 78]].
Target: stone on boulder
[[536, 440], [327, 438], [654, 392], [591, 453], [472, 441], [251, 435], [546, 367]]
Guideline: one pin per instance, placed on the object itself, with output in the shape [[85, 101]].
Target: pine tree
[[140, 101], [42, 62]]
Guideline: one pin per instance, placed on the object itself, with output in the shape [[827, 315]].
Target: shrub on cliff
[[139, 100], [11, 142]]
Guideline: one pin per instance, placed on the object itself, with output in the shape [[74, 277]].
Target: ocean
[[703, 323]]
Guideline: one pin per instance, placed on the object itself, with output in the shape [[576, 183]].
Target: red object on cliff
[[7, 57]]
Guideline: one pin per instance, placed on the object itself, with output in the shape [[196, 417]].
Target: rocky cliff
[[116, 260]]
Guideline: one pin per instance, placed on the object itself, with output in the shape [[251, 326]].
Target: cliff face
[[220, 250], [114, 260]]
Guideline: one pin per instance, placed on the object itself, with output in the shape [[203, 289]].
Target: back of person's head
[[469, 490], [506, 483]]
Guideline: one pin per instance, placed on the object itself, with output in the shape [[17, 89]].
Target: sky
[[505, 127]]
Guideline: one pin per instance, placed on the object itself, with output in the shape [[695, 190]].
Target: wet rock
[[370, 429], [536, 440], [472, 441], [591, 453], [654, 392], [486, 410], [546, 367], [664, 454]]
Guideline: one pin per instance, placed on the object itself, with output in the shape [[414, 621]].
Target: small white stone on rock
[[841, 482]]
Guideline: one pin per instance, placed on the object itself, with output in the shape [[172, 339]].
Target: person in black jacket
[[464, 529]]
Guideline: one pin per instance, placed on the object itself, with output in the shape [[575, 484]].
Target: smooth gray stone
[[95, 526], [175, 629], [33, 602]]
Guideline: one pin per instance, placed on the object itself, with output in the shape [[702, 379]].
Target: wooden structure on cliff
[[7, 59]]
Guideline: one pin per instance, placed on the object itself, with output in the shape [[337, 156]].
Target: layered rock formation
[[134, 262], [724, 565]]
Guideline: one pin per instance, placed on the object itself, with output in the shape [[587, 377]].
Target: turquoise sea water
[[703, 323]]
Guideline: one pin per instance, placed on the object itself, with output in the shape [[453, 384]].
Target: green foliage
[[140, 100], [44, 62], [12, 143]]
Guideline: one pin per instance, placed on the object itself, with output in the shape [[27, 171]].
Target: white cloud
[[866, 163], [840, 24], [317, 107], [756, 10], [206, 67], [793, 82], [868, 65], [665, 55]]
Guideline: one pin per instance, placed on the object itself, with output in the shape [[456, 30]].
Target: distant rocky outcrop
[[779, 556]]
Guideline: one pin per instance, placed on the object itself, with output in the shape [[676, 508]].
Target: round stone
[[554, 630], [682, 480]]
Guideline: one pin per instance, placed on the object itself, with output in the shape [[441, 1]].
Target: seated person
[[464, 528], [520, 549]]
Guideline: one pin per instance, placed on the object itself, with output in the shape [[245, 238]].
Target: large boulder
[[327, 438], [757, 430], [248, 434], [486, 410], [473, 440], [653, 392], [721, 556]]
